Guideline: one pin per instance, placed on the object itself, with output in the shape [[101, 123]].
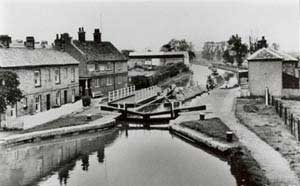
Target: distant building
[[152, 59], [273, 69], [102, 67], [48, 78]]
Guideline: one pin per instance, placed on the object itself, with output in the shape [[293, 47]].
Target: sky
[[144, 24]]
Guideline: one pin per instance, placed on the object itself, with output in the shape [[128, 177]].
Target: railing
[[146, 93], [121, 93], [290, 120]]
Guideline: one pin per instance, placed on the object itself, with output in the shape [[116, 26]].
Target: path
[[221, 103]]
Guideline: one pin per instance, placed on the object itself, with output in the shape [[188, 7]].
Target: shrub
[[86, 101]]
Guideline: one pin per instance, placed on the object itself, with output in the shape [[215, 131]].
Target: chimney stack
[[5, 40], [97, 36], [81, 34], [29, 43]]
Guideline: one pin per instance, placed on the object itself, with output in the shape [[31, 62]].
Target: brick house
[[48, 78], [273, 69], [102, 67]]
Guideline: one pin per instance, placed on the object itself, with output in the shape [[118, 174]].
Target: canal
[[116, 157], [138, 157]]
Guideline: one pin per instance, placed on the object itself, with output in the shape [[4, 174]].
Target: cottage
[[275, 70], [152, 59], [48, 78], [102, 67]]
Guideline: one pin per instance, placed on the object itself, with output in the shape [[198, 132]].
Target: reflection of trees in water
[[63, 173], [100, 155], [51, 156], [85, 162]]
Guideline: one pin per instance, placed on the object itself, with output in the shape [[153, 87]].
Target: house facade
[[102, 67], [275, 70], [48, 78]]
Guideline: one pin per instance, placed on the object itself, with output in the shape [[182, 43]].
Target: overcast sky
[[140, 25]]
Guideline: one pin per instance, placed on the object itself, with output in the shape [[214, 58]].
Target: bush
[[86, 101]]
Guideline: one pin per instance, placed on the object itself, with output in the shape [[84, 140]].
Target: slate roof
[[268, 54], [23, 57], [104, 51]]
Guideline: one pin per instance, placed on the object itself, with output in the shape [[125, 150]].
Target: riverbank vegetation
[[212, 127]]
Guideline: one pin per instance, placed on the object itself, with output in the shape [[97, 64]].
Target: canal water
[[114, 158]]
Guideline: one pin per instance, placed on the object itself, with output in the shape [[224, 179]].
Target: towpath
[[221, 103]]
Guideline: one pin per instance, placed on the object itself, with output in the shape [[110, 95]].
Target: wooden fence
[[290, 121]]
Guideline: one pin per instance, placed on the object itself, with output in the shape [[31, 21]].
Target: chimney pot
[[29, 42], [97, 36], [81, 35]]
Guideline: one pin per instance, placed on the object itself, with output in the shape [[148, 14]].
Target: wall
[[291, 93], [48, 86], [266, 73]]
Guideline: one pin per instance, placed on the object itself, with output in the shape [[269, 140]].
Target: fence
[[146, 93], [290, 121], [121, 93]]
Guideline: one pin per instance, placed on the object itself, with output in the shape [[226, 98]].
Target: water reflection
[[26, 164], [143, 157]]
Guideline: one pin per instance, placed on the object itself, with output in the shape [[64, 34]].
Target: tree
[[236, 50], [179, 45], [10, 94], [257, 44], [208, 51], [275, 46]]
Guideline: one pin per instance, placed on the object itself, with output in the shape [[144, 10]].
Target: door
[[48, 104], [38, 104], [65, 96], [73, 95]]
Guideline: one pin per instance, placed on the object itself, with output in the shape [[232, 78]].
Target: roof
[[103, 51], [270, 55], [23, 57], [156, 54]]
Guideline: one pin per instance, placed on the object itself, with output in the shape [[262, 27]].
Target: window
[[101, 67], [37, 78], [108, 81], [24, 102], [57, 76], [97, 82], [120, 67], [66, 72], [109, 66], [120, 80], [73, 74], [49, 75], [91, 67]]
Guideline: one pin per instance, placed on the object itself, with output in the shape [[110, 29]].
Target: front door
[[65, 96], [48, 100]]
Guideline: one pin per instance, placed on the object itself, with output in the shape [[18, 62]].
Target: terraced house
[[102, 67], [48, 78]]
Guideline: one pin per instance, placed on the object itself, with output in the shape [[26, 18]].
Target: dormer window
[[37, 78]]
